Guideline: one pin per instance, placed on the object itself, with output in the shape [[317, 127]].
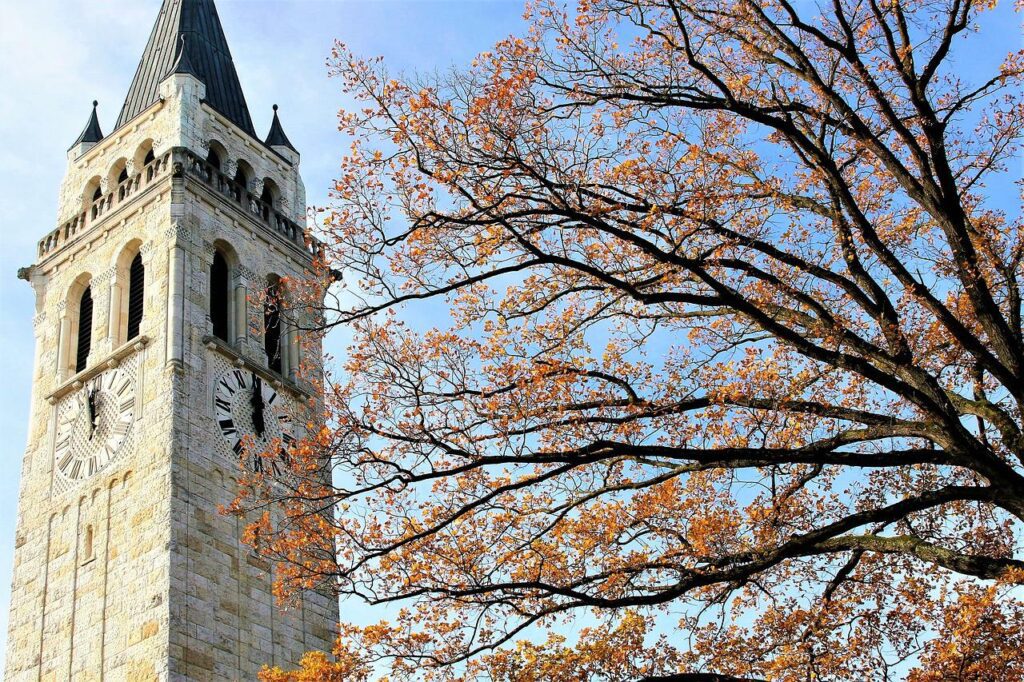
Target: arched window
[[136, 296], [243, 175], [213, 158], [149, 158], [97, 195], [272, 326], [84, 330], [220, 281], [269, 199], [241, 183], [123, 175]]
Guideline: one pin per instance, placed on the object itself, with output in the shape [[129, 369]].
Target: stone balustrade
[[182, 162], [152, 172], [216, 180]]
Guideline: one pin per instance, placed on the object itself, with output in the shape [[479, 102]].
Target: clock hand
[[258, 419], [93, 416]]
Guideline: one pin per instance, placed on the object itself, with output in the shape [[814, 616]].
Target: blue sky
[[59, 55]]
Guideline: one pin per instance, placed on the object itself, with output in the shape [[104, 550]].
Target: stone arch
[[144, 155], [226, 304], [242, 180], [127, 293], [118, 173], [271, 194], [76, 337], [217, 155], [92, 192]]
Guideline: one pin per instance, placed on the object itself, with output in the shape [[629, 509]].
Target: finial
[[275, 108], [95, 104]]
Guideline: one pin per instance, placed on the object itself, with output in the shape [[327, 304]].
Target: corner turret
[[91, 135]]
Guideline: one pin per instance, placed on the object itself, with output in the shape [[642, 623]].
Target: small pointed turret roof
[[92, 133], [276, 136], [203, 53], [184, 63]]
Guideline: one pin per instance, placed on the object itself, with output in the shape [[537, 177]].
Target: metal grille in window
[[84, 330], [136, 296]]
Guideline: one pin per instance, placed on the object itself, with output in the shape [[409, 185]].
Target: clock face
[[251, 414], [93, 425]]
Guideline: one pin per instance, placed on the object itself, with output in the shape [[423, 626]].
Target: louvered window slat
[[84, 330], [272, 329], [136, 296]]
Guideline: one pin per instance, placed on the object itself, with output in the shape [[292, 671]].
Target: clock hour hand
[[258, 408]]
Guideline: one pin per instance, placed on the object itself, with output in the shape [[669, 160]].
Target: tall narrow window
[[150, 158], [219, 293], [136, 296], [89, 551], [213, 158], [84, 330], [272, 327]]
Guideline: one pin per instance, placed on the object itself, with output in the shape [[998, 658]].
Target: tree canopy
[[725, 361]]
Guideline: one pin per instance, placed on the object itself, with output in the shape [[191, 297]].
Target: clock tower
[[164, 348]]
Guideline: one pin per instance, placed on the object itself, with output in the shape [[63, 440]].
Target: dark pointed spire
[[276, 136], [207, 57], [92, 132]]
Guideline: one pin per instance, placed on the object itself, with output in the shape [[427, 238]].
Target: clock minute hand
[[91, 402], [258, 408]]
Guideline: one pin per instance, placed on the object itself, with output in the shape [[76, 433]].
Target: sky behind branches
[[60, 55]]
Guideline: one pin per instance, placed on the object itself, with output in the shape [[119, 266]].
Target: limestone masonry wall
[[131, 573]]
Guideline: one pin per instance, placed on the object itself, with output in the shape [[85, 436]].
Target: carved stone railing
[[260, 210], [152, 172], [181, 162]]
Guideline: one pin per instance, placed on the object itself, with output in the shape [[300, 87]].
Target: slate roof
[[207, 57], [92, 131], [276, 137]]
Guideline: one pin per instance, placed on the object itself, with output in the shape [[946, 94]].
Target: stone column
[[114, 314], [293, 351], [241, 313], [175, 307], [64, 345]]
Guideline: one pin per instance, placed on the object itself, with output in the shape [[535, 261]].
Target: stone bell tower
[[156, 357]]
